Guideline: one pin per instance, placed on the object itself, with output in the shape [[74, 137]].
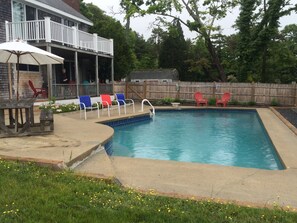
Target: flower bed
[[59, 108]]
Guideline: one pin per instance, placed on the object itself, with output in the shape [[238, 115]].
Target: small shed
[[154, 75]]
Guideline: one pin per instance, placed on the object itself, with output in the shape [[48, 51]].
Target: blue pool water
[[231, 138]]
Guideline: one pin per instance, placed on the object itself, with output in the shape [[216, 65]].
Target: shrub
[[212, 101], [251, 103], [274, 102], [233, 102], [167, 101]]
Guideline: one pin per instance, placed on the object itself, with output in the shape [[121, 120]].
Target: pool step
[[97, 165]]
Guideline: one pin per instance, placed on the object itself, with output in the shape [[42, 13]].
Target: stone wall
[[5, 15]]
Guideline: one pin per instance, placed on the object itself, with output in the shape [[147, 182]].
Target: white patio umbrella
[[19, 52]]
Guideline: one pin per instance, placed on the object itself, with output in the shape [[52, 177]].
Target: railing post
[[95, 42], [75, 36], [47, 29], [37, 31], [111, 46], [7, 31]]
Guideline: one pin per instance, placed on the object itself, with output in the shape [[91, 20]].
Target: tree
[[108, 27], [147, 57], [202, 18], [199, 63], [173, 50], [282, 62], [258, 27]]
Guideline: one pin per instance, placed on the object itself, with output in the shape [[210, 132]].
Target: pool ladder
[[142, 103]]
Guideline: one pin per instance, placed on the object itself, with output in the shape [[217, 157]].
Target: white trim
[[55, 10]]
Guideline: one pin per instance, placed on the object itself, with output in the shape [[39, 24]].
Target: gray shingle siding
[[5, 15]]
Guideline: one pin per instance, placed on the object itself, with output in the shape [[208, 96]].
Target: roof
[[59, 6], [155, 74]]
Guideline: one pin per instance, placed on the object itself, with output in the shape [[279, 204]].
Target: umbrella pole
[[18, 76], [17, 92], [9, 81], [10, 94]]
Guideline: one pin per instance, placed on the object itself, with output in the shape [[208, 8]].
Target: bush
[[251, 103], [274, 102], [233, 102], [212, 101], [166, 101]]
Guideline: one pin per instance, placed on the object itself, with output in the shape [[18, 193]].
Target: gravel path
[[290, 114]]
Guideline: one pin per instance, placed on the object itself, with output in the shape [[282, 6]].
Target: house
[[159, 75], [56, 26]]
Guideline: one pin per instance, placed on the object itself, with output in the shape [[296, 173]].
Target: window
[[18, 12], [30, 13], [42, 14], [69, 23], [25, 67]]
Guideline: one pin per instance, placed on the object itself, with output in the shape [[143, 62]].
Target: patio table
[[15, 127]]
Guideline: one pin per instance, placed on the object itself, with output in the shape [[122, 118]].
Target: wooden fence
[[261, 94]]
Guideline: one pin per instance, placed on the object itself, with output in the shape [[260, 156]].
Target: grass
[[36, 194]]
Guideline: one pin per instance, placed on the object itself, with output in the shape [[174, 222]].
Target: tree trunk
[[127, 26], [264, 64], [215, 59]]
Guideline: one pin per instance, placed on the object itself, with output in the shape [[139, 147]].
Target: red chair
[[224, 100], [107, 103], [199, 99], [37, 91]]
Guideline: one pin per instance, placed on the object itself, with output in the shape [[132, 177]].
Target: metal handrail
[[145, 100]]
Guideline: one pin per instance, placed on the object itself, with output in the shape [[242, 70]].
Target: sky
[[144, 25]]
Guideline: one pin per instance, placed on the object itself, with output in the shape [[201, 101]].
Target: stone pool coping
[[248, 186], [75, 139]]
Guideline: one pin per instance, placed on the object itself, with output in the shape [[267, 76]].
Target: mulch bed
[[290, 114]]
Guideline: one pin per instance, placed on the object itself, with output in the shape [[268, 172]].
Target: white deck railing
[[48, 31]]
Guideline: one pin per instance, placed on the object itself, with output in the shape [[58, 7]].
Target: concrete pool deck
[[74, 139]]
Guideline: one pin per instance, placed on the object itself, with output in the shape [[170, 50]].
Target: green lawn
[[29, 193]]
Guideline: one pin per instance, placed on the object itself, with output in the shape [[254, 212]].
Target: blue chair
[[123, 101], [86, 104]]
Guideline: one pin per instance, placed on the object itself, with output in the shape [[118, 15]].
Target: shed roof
[[155, 74]]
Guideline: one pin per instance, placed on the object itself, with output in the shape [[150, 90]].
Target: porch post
[[7, 31], [97, 75], [76, 73], [49, 75], [111, 46], [112, 64], [47, 29], [75, 37], [95, 42], [112, 74]]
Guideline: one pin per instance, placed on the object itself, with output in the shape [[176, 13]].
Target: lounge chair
[[107, 103], [224, 100], [86, 104], [37, 91], [199, 99], [125, 102]]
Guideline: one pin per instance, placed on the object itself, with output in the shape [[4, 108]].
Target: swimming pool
[[213, 136]]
